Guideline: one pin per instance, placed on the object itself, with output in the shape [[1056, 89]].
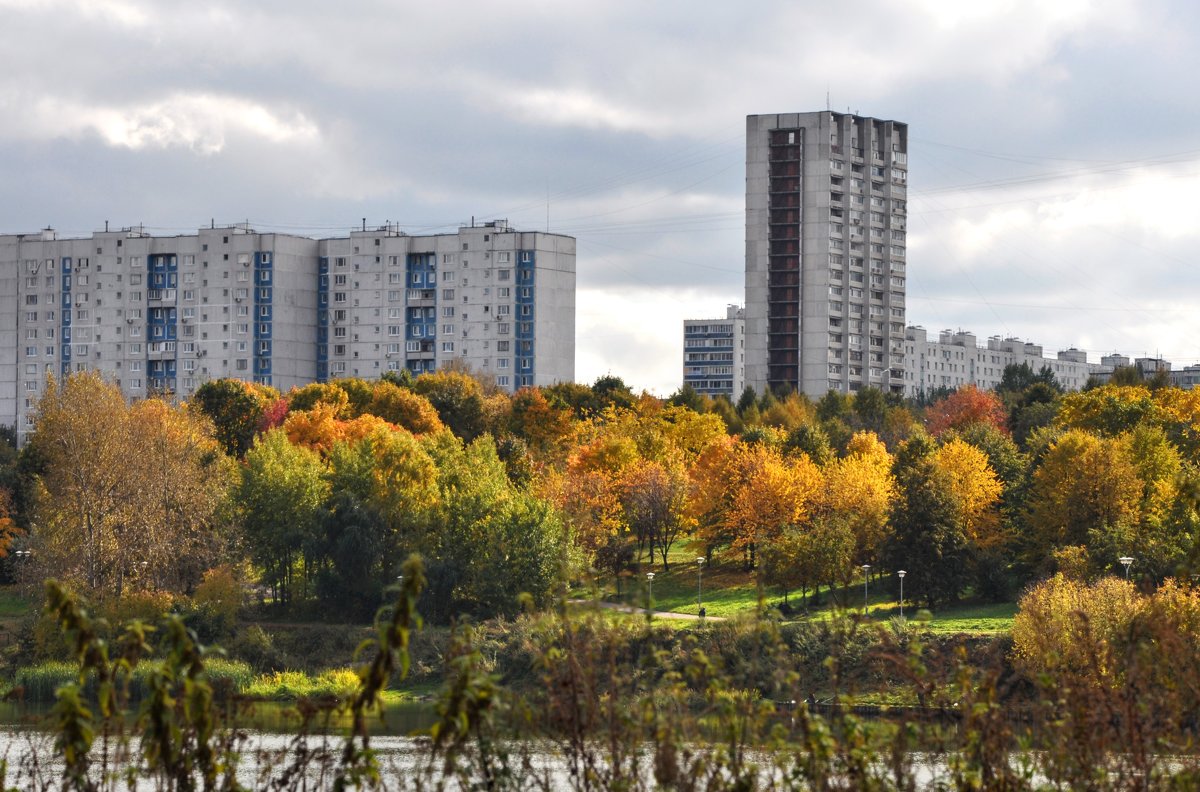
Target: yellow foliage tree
[[859, 491], [770, 493], [1084, 482], [402, 407], [977, 490]]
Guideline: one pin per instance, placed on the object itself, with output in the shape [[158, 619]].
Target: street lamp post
[[649, 593], [866, 568], [1126, 560], [901, 575], [700, 585]]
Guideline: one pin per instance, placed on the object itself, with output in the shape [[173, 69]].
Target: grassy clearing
[[729, 590], [12, 603]]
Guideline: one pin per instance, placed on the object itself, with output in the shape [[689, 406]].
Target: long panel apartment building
[[954, 358], [826, 215], [167, 313], [714, 354]]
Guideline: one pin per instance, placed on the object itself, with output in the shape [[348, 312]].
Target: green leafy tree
[[281, 498], [236, 409], [458, 399], [488, 542], [611, 391], [928, 539]]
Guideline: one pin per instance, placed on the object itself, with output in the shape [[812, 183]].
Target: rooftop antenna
[[106, 226], [547, 204], [364, 224], [828, 106]]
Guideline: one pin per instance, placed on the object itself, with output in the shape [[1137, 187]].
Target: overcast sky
[[1054, 150]]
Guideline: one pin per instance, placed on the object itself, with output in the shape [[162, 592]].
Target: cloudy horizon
[[1053, 159]]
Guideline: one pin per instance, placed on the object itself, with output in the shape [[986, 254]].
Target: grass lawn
[[12, 603], [729, 590]]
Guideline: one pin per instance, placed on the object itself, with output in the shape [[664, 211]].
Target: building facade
[[826, 219], [954, 359], [714, 354], [168, 313]]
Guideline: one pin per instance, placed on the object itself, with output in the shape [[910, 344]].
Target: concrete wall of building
[[246, 305], [714, 354], [954, 359], [850, 299]]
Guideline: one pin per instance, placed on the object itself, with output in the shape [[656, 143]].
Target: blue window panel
[[66, 300], [66, 352], [66, 264]]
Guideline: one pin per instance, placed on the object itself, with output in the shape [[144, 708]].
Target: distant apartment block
[[714, 354], [167, 313], [954, 359], [826, 221]]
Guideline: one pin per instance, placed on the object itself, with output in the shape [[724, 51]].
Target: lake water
[[271, 744]]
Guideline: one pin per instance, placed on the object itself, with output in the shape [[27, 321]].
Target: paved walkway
[[615, 606]]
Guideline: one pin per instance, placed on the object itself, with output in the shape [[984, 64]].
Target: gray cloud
[[1040, 205]]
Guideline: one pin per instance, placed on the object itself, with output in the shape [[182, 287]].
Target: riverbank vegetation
[[601, 704]]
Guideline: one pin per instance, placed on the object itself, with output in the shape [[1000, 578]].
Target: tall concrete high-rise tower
[[826, 212]]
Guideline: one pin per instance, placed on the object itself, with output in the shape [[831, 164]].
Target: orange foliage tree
[[966, 406]]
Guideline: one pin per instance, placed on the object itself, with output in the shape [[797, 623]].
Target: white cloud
[[200, 122]]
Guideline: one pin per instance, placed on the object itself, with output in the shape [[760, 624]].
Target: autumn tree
[[236, 409], [544, 424], [858, 495], [1108, 410], [769, 494], [122, 487], [1083, 482], [317, 429], [402, 407], [180, 482], [653, 497], [458, 399], [967, 405], [976, 490], [307, 397]]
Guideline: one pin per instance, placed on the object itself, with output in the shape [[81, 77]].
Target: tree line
[[317, 495]]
